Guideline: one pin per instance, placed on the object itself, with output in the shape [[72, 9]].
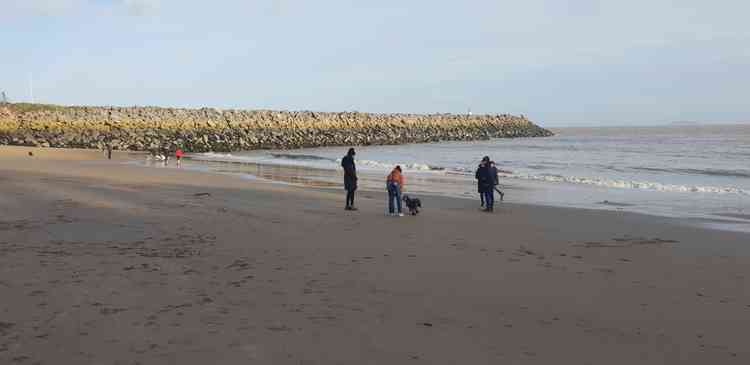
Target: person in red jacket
[[178, 156], [395, 185]]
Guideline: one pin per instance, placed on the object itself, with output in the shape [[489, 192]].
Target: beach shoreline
[[103, 261], [463, 186], [691, 176]]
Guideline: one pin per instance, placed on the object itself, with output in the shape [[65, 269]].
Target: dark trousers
[[350, 198], [394, 193], [489, 198]]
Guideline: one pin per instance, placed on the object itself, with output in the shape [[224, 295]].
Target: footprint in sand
[[236, 284], [605, 270], [278, 328], [5, 327], [108, 311], [239, 264], [627, 241]]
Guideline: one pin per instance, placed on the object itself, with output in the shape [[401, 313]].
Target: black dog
[[413, 204]]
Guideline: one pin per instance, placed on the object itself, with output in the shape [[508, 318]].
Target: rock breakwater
[[208, 129]]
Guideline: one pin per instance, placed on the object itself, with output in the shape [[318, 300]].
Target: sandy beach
[[103, 262]]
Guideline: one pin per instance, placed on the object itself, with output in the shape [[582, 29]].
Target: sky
[[557, 62]]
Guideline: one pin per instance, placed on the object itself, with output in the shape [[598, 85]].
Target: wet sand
[[106, 263]]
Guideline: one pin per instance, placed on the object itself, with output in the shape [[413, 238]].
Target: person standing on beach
[[165, 153], [395, 185], [486, 183], [178, 156], [350, 178], [479, 186]]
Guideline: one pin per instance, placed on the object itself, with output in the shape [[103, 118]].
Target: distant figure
[[496, 178], [165, 154], [395, 185], [350, 178], [109, 151], [178, 156], [153, 153], [486, 183], [479, 186]]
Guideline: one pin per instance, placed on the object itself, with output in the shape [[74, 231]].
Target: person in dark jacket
[[479, 187], [486, 183], [350, 178]]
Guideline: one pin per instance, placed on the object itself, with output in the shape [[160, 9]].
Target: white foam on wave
[[266, 159], [625, 184], [425, 168], [385, 166], [215, 155], [289, 159]]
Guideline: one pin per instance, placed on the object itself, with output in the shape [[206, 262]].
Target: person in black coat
[[350, 178], [479, 186], [486, 177]]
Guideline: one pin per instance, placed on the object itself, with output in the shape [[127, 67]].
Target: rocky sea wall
[[208, 129]]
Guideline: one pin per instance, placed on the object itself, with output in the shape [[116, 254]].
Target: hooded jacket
[[485, 180], [397, 177]]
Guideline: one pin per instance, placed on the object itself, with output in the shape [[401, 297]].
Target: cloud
[[141, 7], [40, 7], [12, 9]]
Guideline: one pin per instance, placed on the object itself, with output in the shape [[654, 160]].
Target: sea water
[[678, 171]]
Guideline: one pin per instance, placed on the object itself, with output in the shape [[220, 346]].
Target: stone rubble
[[211, 130]]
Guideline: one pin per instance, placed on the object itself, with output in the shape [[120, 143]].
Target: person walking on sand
[[350, 178], [486, 183], [395, 185], [496, 179], [178, 156], [479, 187]]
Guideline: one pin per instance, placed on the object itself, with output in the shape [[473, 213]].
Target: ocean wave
[[371, 164], [313, 160], [707, 171], [331, 163], [301, 157], [213, 156], [627, 184], [407, 166]]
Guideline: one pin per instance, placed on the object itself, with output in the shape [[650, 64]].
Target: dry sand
[[106, 263]]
